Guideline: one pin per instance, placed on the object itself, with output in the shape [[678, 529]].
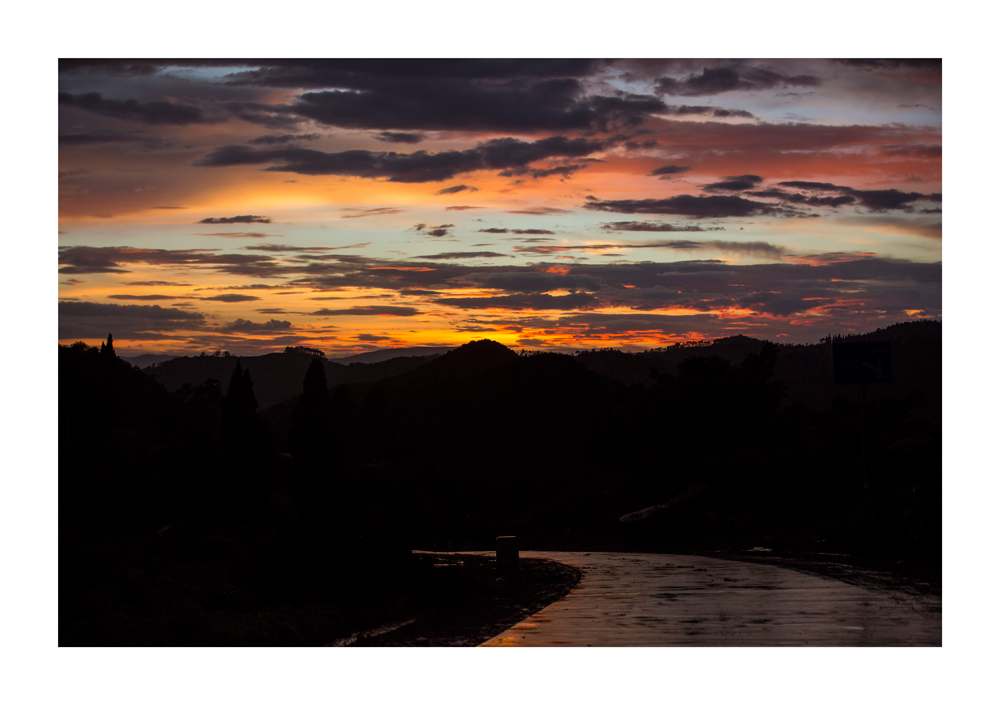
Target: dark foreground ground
[[484, 605], [441, 600], [450, 599]]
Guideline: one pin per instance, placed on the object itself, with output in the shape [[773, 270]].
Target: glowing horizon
[[350, 206]]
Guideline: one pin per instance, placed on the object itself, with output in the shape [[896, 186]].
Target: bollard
[[507, 555]]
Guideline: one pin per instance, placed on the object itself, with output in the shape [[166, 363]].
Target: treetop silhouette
[[108, 350]]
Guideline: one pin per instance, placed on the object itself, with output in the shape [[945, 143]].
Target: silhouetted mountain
[[146, 359], [277, 376], [471, 359], [725, 445], [389, 354], [129, 454], [804, 371]]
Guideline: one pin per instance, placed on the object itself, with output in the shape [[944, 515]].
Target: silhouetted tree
[[108, 350], [244, 443], [313, 414], [312, 419], [761, 364]]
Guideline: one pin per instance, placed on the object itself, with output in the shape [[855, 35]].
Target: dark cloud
[[80, 139], [237, 235], [337, 73], [366, 213], [694, 206], [415, 167], [540, 210], [400, 137], [111, 67], [72, 282], [455, 189], [244, 286], [83, 309], [872, 64], [441, 103], [154, 283], [854, 281], [800, 199], [735, 183], [284, 139], [875, 200], [563, 171], [353, 73], [235, 219], [812, 185], [90, 260], [461, 255], [154, 113], [145, 297], [404, 311], [669, 170], [243, 326], [918, 151], [713, 81], [537, 302], [752, 249], [706, 110], [272, 117], [433, 230], [533, 282], [636, 145], [646, 227], [287, 248], [168, 208], [232, 298], [517, 231], [463, 208], [89, 320], [723, 113]]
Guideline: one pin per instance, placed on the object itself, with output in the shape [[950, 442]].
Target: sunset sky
[[350, 205]]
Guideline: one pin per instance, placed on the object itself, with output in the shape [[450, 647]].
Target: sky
[[351, 205]]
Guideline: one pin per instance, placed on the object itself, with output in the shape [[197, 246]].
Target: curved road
[[645, 599]]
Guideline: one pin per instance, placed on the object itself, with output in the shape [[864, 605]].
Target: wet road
[[643, 599]]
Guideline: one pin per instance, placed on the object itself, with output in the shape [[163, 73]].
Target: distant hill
[[276, 376], [389, 354], [805, 371], [146, 359], [473, 358], [725, 445]]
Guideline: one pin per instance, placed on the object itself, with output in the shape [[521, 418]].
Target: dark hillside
[[277, 376], [390, 353], [320, 498], [147, 359]]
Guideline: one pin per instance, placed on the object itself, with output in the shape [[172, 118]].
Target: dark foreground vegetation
[[195, 517]]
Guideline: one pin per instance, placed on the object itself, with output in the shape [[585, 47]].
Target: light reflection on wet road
[[642, 599]]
